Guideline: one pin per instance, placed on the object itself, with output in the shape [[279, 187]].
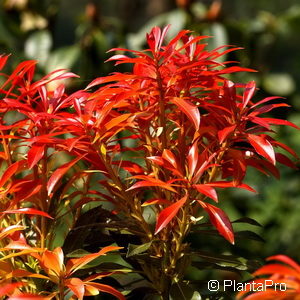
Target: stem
[[6, 149], [61, 289], [162, 117], [44, 198], [131, 206]]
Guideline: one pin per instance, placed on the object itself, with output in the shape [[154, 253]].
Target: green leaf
[[183, 291], [248, 235], [137, 249], [77, 253], [223, 260], [248, 221], [38, 46], [63, 58], [280, 84]]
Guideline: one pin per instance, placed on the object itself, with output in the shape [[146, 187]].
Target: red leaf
[[152, 182], [283, 159], [24, 189], [285, 259], [265, 100], [27, 211], [207, 191], [267, 108], [115, 77], [248, 93], [189, 109], [277, 269], [262, 147], [167, 214], [220, 220], [3, 60], [59, 173], [107, 289], [170, 157], [193, 158], [235, 69], [280, 122], [267, 294], [222, 134], [156, 201], [9, 172], [227, 184], [35, 154]]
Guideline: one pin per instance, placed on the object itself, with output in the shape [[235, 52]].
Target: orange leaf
[[75, 264], [107, 289], [52, 262], [9, 288], [277, 269], [29, 297], [76, 285]]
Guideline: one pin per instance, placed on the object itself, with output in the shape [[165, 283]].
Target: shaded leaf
[[59, 173], [137, 249]]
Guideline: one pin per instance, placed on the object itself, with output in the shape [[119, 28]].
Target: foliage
[[284, 274], [140, 157]]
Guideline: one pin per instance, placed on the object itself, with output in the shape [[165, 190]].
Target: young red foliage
[[190, 131], [285, 273]]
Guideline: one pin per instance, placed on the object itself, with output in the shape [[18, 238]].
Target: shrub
[[131, 163]]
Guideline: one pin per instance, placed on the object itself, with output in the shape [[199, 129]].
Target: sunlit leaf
[[167, 214]]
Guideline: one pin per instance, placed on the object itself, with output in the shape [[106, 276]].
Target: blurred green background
[[76, 35]]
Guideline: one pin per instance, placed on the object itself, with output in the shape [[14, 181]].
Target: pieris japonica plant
[[126, 167]]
